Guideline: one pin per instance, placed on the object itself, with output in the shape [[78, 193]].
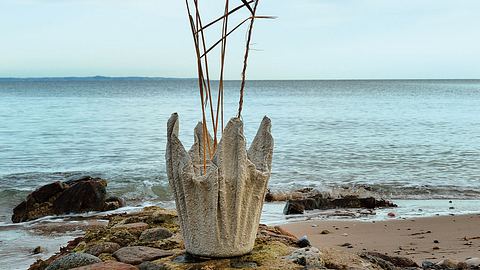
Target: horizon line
[[101, 77]]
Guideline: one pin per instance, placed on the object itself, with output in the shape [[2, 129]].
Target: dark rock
[[152, 266], [294, 207], [103, 247], [38, 250], [73, 260], [304, 242], [111, 265], [75, 196], [82, 196], [318, 201], [155, 234], [395, 260], [138, 254], [44, 193], [114, 202], [325, 232]]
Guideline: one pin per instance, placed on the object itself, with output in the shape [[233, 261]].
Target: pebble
[[325, 232], [436, 241], [303, 242], [391, 214], [73, 260]]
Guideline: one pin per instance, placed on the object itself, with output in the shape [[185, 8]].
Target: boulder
[[73, 260], [74, 196], [138, 254], [319, 201], [82, 196]]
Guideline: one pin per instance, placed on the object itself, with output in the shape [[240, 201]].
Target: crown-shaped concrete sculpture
[[219, 210]]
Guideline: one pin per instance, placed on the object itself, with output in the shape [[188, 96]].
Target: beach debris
[[73, 260], [216, 205], [58, 198], [325, 232]]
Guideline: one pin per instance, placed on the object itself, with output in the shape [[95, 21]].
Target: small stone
[[451, 207], [107, 266], [314, 225], [38, 250], [344, 234], [473, 262], [104, 247], [436, 241], [448, 264], [73, 260], [427, 265], [303, 242], [391, 214], [138, 254], [325, 232], [152, 266], [155, 234], [436, 248], [309, 257], [346, 245]]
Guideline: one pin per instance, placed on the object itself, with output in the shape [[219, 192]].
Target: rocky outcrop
[[77, 196], [323, 202], [219, 206]]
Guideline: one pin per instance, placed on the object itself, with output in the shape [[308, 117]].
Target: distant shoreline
[[140, 78]]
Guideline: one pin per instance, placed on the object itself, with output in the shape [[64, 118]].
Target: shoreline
[[420, 239]]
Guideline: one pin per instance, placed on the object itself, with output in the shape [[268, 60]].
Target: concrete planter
[[219, 211]]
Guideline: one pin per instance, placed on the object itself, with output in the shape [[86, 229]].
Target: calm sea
[[404, 139]]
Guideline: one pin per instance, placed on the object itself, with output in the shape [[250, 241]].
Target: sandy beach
[[429, 238]]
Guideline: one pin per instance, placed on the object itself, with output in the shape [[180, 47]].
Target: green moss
[[266, 252]]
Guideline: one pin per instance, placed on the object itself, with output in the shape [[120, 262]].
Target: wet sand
[[429, 238]]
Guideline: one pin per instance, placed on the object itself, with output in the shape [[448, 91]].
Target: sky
[[310, 39]]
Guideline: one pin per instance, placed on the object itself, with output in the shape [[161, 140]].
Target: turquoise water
[[405, 139]]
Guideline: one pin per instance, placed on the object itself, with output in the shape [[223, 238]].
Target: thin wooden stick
[[222, 68], [225, 15], [245, 60]]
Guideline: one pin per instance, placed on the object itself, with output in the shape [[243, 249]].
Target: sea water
[[410, 139]]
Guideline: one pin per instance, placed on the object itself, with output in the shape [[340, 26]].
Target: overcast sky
[[310, 39]]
